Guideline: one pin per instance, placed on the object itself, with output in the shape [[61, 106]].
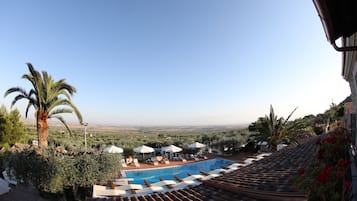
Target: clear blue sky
[[166, 62]]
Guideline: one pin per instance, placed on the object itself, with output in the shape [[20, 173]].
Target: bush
[[52, 172], [318, 130], [11, 129], [329, 178]]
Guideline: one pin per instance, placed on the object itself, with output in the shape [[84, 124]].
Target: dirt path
[[22, 193]]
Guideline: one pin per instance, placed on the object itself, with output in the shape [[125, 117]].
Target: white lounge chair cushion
[[130, 186], [103, 191], [164, 183]]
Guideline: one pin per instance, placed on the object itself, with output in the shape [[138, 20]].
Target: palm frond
[[66, 102], [55, 94], [33, 95], [57, 102], [60, 111], [287, 119], [18, 97], [62, 84], [28, 107], [77, 112], [36, 80], [65, 93], [30, 78], [63, 122], [15, 89]]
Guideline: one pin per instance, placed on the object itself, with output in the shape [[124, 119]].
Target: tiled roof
[[270, 178]]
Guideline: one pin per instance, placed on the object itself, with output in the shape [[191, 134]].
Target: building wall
[[350, 73]]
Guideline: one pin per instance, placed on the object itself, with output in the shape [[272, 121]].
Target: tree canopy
[[53, 172], [272, 128], [11, 128]]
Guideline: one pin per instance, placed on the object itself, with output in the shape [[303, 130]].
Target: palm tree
[[272, 128], [47, 96]]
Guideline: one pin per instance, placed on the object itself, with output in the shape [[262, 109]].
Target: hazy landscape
[[100, 128]]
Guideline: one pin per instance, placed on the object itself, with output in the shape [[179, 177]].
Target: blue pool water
[[153, 175]]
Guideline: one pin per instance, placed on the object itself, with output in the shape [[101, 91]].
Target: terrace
[[270, 178]]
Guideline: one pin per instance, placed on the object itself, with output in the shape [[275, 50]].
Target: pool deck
[[160, 165]]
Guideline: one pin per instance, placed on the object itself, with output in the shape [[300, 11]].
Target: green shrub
[[329, 178], [11, 129], [52, 172]]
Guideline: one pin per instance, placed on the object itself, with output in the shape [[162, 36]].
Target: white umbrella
[[196, 145], [171, 148], [144, 149], [113, 149]]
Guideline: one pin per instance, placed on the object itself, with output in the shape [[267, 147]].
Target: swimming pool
[[153, 175]]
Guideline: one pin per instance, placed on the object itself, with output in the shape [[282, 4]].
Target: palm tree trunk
[[275, 146], [42, 129], [274, 143]]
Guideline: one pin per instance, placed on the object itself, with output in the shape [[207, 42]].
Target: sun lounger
[[123, 164], [232, 169], [208, 176], [180, 185], [249, 160], [149, 190], [167, 184], [263, 155], [159, 158], [136, 162], [8, 179], [185, 183], [234, 165], [190, 180], [229, 169], [143, 192], [211, 176], [217, 171], [164, 183], [193, 177], [157, 188], [122, 181], [129, 161], [103, 192], [130, 187]]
